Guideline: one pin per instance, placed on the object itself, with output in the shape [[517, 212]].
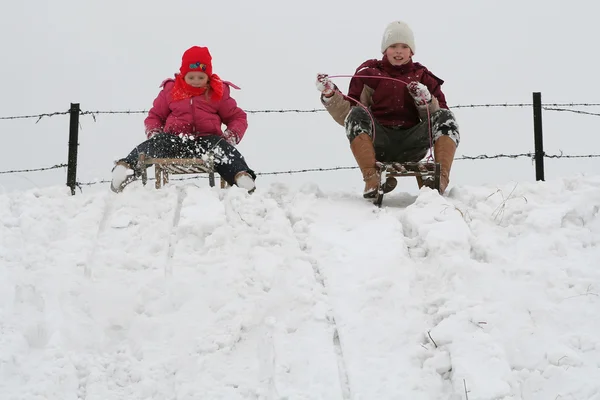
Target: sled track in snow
[[181, 194], [344, 381], [107, 212], [336, 342], [337, 345], [105, 217]]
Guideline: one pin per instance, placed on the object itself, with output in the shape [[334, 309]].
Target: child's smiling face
[[398, 54], [196, 79]]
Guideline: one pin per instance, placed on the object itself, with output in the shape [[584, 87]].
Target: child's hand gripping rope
[[324, 85], [419, 92]]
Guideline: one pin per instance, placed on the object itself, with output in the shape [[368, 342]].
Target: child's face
[[196, 79], [398, 54]]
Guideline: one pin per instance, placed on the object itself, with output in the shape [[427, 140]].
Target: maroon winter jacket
[[392, 105]]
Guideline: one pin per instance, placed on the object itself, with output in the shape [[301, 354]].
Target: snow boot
[[244, 180], [443, 151], [122, 175]]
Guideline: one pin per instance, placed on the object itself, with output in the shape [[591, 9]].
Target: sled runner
[[177, 166], [429, 172]]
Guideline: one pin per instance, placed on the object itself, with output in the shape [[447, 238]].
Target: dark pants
[[397, 144], [228, 160]]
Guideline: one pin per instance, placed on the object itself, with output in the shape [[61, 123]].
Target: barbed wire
[[34, 169], [37, 116], [561, 155], [203, 176], [94, 113], [97, 182], [114, 112], [314, 110], [497, 156], [546, 106], [572, 111], [525, 155], [497, 105], [289, 110], [570, 104], [298, 171]]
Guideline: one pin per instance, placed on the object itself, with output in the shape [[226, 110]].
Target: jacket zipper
[[193, 114]]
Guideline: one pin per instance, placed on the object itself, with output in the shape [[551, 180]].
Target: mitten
[[152, 132], [419, 92], [324, 85], [231, 137]]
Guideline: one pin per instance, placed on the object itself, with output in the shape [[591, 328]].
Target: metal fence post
[[73, 143], [538, 136]]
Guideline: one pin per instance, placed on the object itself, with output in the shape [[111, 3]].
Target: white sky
[[112, 55], [193, 293]]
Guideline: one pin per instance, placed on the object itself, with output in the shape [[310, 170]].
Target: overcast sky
[[112, 55]]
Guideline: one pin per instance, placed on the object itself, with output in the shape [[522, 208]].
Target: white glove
[[153, 132], [231, 137], [419, 92], [324, 85]]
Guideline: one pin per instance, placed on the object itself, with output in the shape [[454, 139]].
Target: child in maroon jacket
[[185, 122], [400, 111]]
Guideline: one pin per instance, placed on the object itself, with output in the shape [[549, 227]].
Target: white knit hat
[[397, 32]]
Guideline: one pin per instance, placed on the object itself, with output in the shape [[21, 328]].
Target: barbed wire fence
[[565, 107], [75, 112]]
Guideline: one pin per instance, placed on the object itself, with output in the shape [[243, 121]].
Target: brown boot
[[443, 150], [364, 153]]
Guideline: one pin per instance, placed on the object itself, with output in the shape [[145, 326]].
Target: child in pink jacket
[[185, 122]]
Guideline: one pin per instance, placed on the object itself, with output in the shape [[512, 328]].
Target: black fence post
[[73, 143], [538, 136]]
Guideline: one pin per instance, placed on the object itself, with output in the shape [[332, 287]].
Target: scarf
[[182, 90]]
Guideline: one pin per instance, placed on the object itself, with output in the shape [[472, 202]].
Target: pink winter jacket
[[198, 115]]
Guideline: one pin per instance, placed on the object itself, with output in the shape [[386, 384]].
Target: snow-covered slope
[[196, 293]]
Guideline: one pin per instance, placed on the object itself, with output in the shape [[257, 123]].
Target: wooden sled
[[428, 171], [163, 167]]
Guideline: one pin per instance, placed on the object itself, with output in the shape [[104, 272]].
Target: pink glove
[[324, 85], [231, 137], [419, 92]]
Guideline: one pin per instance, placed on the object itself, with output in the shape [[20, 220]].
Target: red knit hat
[[196, 59]]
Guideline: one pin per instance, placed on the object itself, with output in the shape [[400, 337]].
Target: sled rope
[[430, 157]]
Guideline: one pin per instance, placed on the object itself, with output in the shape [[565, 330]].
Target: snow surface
[[191, 292]]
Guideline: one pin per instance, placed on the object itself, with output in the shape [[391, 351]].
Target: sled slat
[[408, 169], [425, 170], [179, 166]]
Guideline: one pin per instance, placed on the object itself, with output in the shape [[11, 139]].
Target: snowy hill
[[197, 293]]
